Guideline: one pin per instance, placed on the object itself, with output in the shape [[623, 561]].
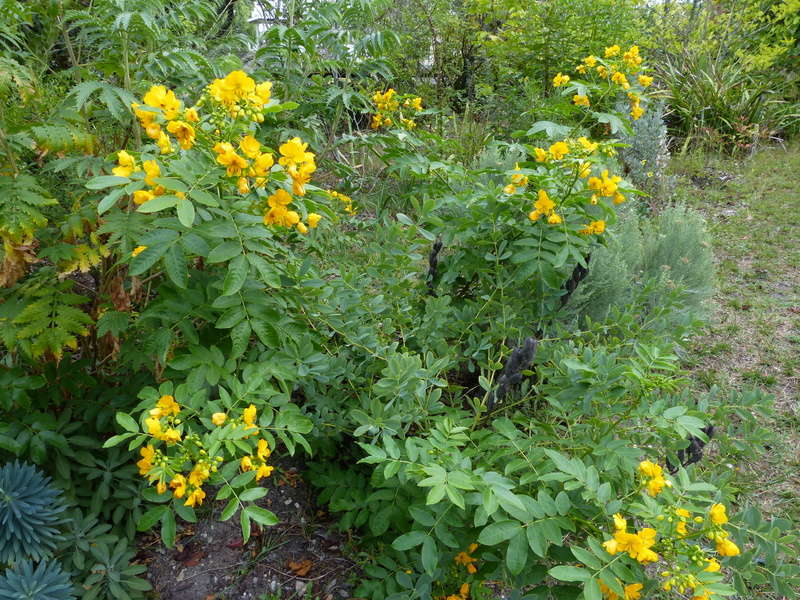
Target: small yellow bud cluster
[[388, 103]]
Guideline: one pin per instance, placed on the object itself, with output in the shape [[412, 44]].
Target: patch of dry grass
[[753, 339]]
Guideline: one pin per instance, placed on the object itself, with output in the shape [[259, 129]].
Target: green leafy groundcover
[[474, 324]]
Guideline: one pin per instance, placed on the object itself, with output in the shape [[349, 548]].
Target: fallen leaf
[[301, 568]]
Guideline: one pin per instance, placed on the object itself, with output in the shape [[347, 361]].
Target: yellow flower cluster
[[166, 408], [346, 200], [518, 180], [718, 535], [159, 104], [466, 559], [632, 591], [560, 80], [557, 151], [653, 476], [595, 227], [606, 186], [637, 545], [389, 102], [240, 95], [636, 107], [544, 206], [258, 462], [631, 62], [581, 100], [126, 165]]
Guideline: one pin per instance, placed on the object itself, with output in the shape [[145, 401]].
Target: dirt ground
[[300, 557]]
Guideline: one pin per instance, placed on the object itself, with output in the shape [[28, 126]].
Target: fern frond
[[52, 320], [62, 138], [20, 200]]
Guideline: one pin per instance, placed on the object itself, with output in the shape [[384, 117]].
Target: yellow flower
[[554, 219], [534, 215], [168, 405], [313, 220], [607, 186], [153, 131], [153, 426], [645, 81], [249, 415], [588, 144], [161, 487], [590, 61], [543, 203], [264, 91], [142, 196], [725, 547], [250, 146], [620, 524], [152, 171], [509, 189], [262, 164], [611, 51], [636, 112], [713, 565], [127, 165], [602, 71], [178, 484], [580, 100], [164, 145], [581, 69], [584, 170], [233, 162], [160, 97], [595, 227], [263, 450], [619, 78], [540, 154], [195, 497], [294, 152], [219, 418], [300, 177], [242, 185], [559, 150], [680, 528], [183, 132], [246, 463], [633, 591], [717, 514], [280, 198], [199, 474], [301, 227], [632, 58], [138, 250], [702, 594], [191, 115], [619, 198], [377, 120], [171, 436], [146, 463], [560, 80], [264, 471]]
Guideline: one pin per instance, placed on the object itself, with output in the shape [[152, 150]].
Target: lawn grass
[[753, 339]]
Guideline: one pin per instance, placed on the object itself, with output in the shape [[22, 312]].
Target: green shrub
[[650, 264], [646, 157]]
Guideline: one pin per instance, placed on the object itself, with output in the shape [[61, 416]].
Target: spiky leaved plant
[[45, 582], [30, 509]]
